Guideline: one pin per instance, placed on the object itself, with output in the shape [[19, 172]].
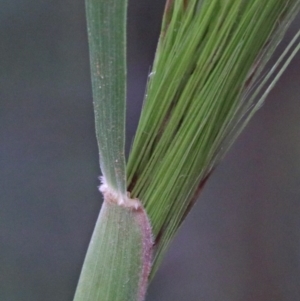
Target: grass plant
[[208, 79]]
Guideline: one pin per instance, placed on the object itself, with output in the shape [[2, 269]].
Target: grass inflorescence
[[203, 89]]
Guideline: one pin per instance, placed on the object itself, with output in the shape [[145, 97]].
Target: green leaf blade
[[118, 260], [107, 43]]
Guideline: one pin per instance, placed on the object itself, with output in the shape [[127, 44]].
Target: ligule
[[205, 80]]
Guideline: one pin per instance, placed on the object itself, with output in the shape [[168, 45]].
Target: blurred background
[[241, 241]]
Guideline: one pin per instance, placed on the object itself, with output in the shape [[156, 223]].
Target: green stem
[[118, 261]]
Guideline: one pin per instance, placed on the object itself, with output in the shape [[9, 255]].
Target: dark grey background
[[241, 241]]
